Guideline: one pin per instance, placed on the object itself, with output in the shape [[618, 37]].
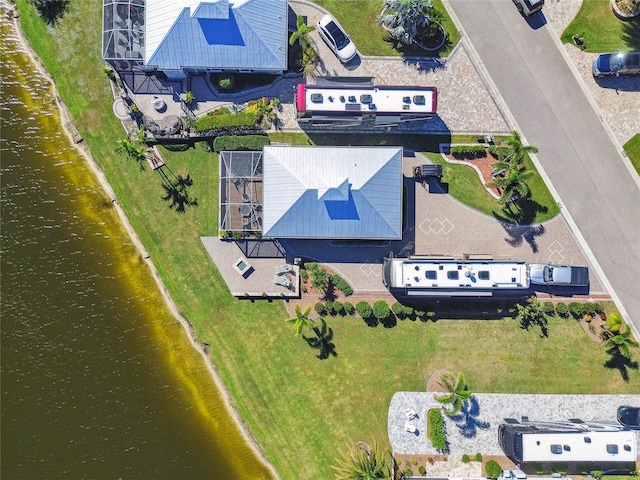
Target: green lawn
[[300, 409], [466, 186], [632, 147], [359, 18], [602, 30]]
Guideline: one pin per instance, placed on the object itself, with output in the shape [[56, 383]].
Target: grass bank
[[300, 409], [601, 30], [632, 147]]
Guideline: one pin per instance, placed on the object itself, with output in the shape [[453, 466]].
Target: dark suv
[[619, 63]]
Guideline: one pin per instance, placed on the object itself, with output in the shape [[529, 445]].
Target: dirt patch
[[433, 384], [594, 328]]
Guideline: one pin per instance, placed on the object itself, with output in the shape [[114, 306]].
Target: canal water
[[98, 379]]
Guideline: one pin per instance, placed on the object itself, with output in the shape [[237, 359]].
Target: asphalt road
[[586, 169]]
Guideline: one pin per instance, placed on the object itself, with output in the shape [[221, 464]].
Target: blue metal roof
[[332, 192], [251, 35]]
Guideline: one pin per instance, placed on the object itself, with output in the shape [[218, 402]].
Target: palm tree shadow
[[520, 232], [621, 363], [176, 191], [322, 341], [467, 419]]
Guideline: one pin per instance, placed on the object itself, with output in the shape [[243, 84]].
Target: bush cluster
[[576, 309], [468, 150], [466, 458], [381, 310], [435, 428], [499, 152], [320, 309], [548, 308], [215, 122], [341, 284], [240, 142], [349, 309]]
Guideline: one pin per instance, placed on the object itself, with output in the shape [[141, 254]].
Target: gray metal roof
[[226, 34], [332, 192]]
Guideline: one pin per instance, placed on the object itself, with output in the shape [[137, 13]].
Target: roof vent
[[366, 98], [419, 99], [316, 97]]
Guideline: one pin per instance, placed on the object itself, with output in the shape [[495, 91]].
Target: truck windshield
[[547, 274]]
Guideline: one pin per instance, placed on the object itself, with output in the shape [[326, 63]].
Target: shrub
[[576, 309], [319, 278], [240, 142], [341, 284], [467, 150], [349, 308], [338, 308], [422, 470], [134, 108], [364, 309], [548, 308], [589, 308], [478, 457], [381, 309], [466, 458], [237, 121], [398, 309], [329, 306], [562, 310], [613, 323], [304, 275], [408, 472], [598, 307], [435, 429], [408, 311], [320, 309], [226, 81], [538, 469], [493, 469], [189, 97], [310, 266]]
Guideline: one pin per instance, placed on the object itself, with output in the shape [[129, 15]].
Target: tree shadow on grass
[[51, 11], [621, 363], [631, 34], [176, 191], [467, 419], [322, 341]]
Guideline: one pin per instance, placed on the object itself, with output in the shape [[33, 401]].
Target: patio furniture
[[428, 171], [282, 269], [158, 104], [410, 427], [410, 413], [282, 281], [242, 266]]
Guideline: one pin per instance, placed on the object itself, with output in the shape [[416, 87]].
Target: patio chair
[[410, 427], [410, 413], [282, 281], [282, 269]]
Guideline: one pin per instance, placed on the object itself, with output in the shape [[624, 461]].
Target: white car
[[336, 38], [547, 274]]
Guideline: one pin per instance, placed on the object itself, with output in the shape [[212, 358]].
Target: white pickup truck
[[548, 274]]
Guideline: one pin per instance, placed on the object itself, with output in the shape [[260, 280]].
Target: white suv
[[529, 7]]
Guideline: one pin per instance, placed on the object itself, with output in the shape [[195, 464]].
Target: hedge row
[[215, 122], [468, 150], [435, 429], [240, 142]]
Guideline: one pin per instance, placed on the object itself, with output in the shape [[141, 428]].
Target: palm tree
[[362, 462], [406, 19], [301, 34], [518, 149], [621, 344], [133, 151], [458, 392], [301, 320], [514, 181]]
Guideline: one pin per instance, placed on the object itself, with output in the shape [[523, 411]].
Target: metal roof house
[[182, 36], [332, 192], [314, 192]]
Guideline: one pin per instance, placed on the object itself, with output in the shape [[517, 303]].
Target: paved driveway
[[476, 428]]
